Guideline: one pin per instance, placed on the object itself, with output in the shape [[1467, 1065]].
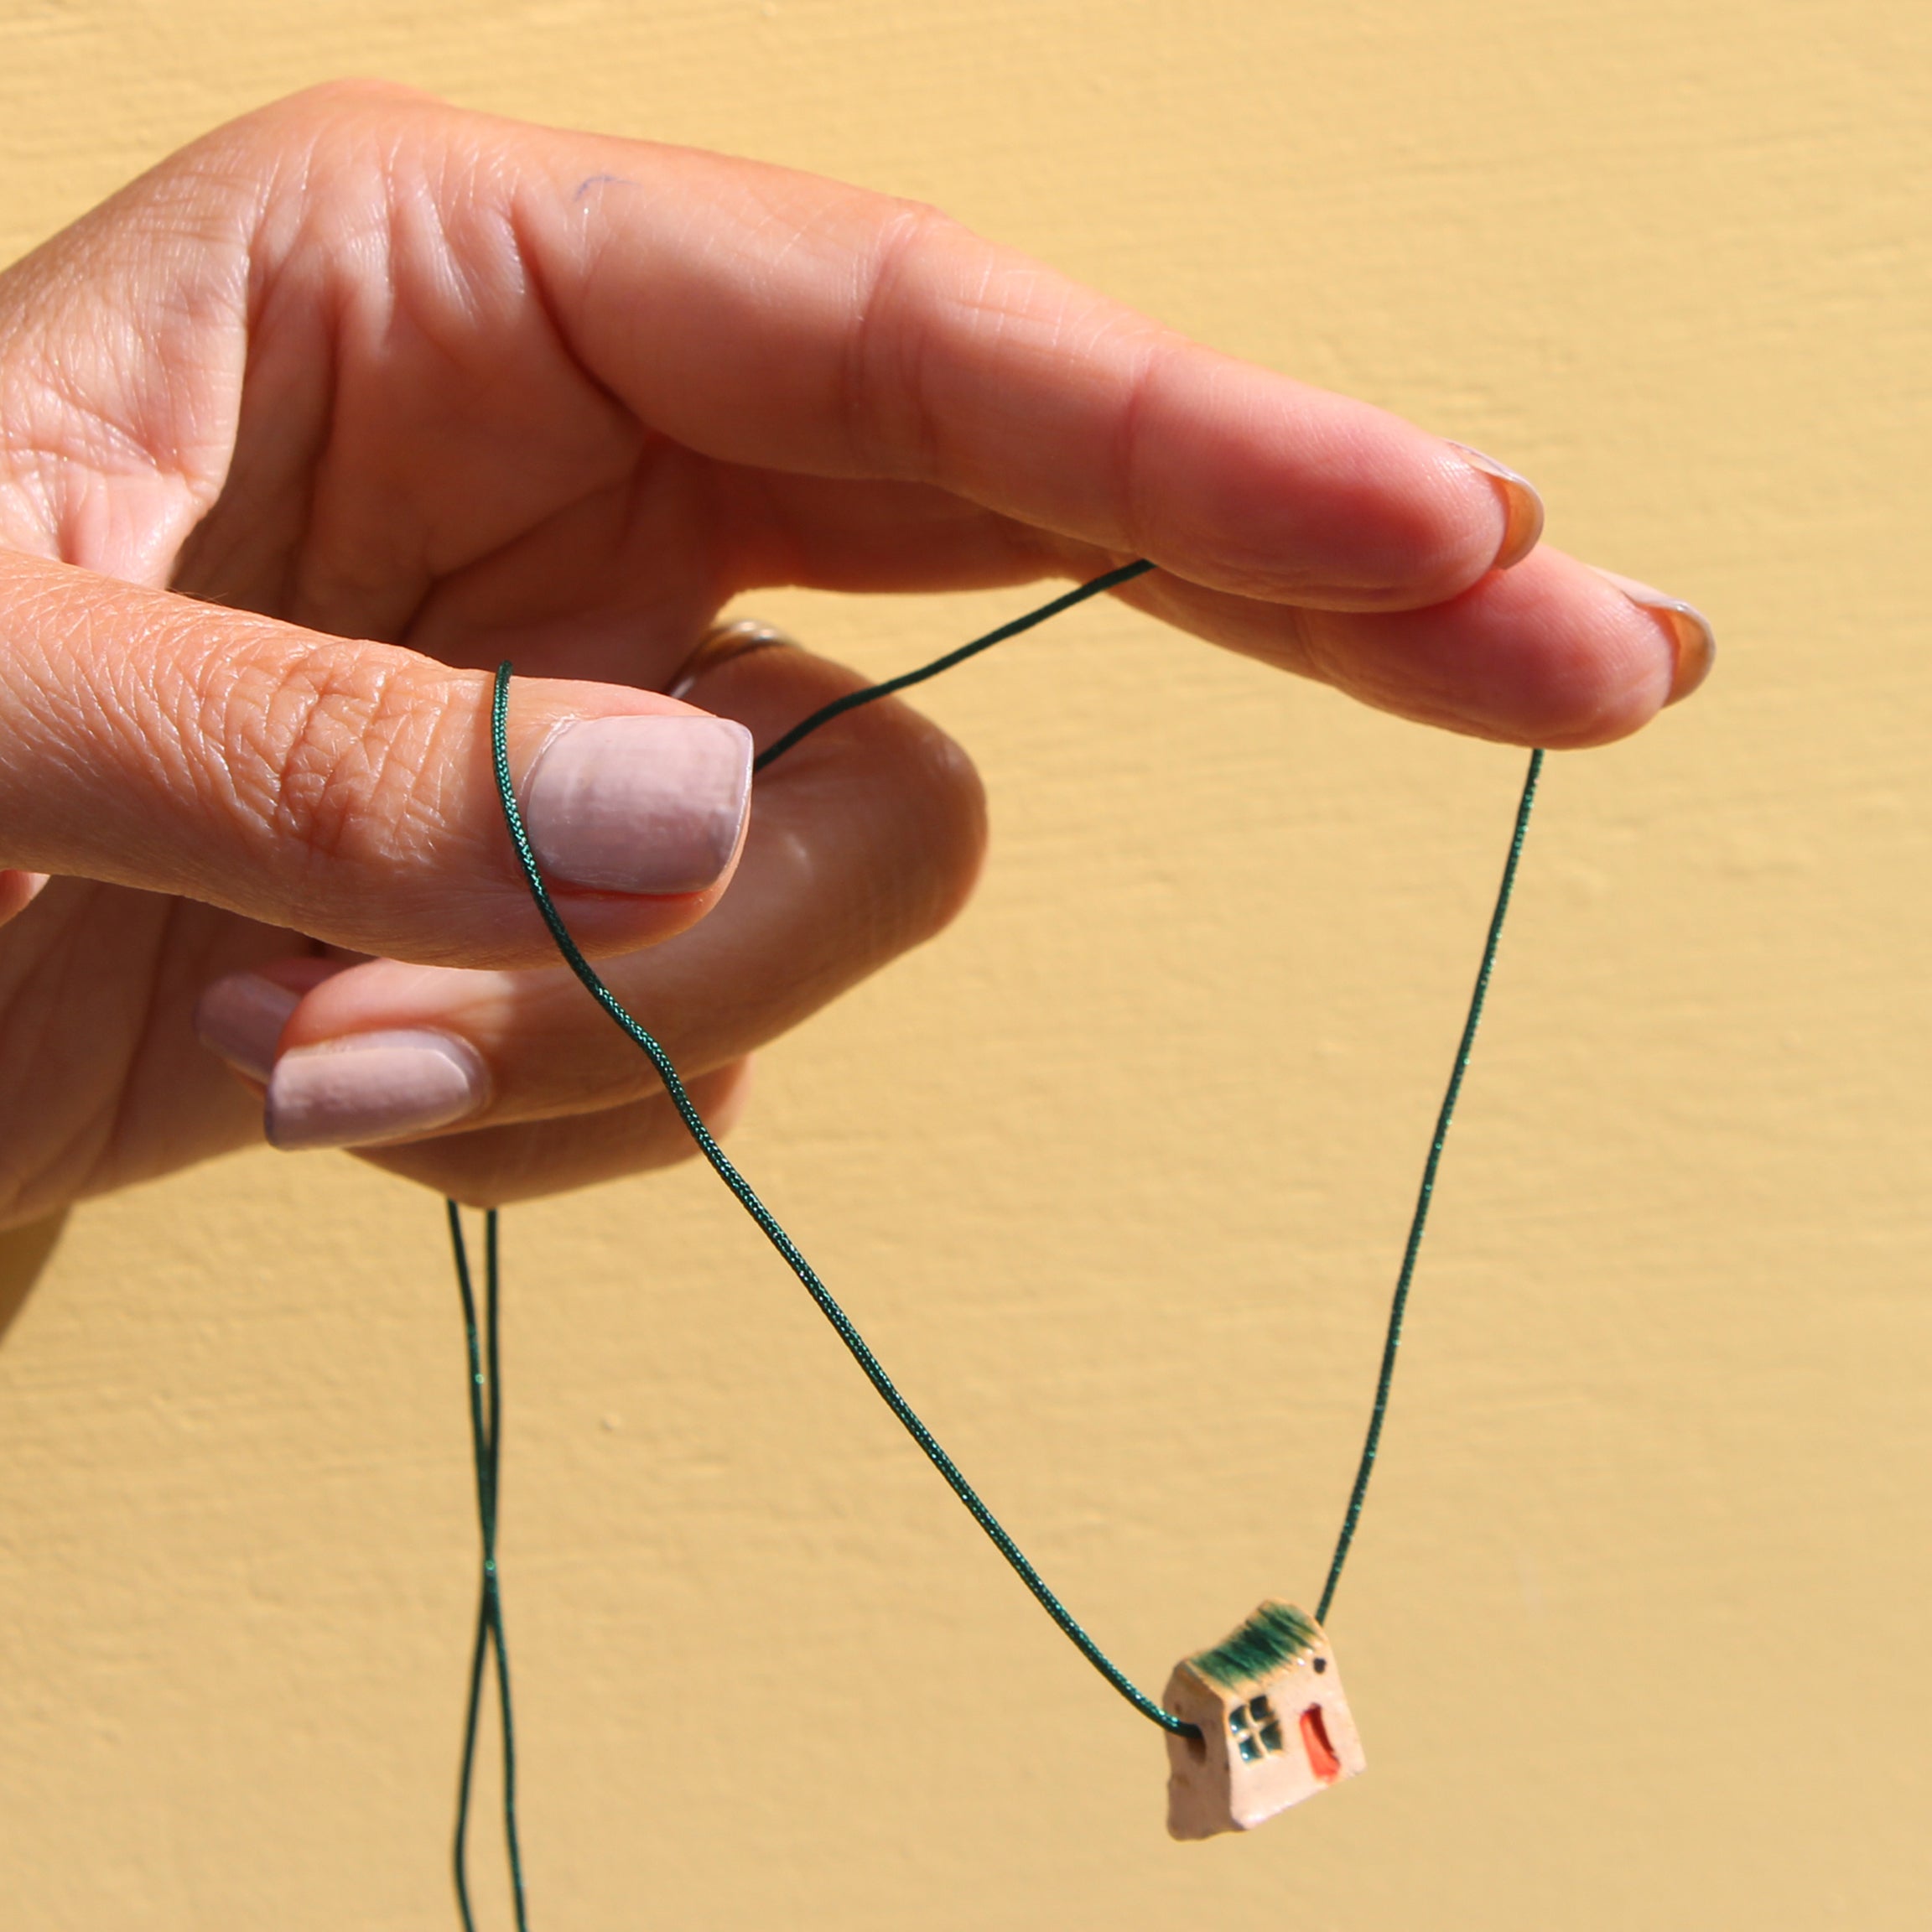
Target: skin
[[307, 429]]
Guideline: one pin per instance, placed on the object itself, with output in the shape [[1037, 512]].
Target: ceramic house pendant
[[1274, 1726]]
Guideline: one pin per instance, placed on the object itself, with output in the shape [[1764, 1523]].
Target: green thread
[[905, 680], [768, 1224], [486, 1442], [1399, 1305], [1275, 1633]]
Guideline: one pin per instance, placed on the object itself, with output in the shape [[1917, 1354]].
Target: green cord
[[1420, 1220], [486, 1437], [905, 680], [776, 1234], [486, 1441]]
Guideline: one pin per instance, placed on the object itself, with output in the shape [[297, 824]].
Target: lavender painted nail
[[242, 1018], [368, 1088], [639, 804]]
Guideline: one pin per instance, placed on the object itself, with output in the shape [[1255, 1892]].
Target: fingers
[[494, 1166], [792, 381], [775, 319], [1553, 653], [863, 843], [1539, 654], [345, 789]]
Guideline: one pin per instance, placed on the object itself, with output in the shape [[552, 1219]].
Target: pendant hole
[[1322, 1758]]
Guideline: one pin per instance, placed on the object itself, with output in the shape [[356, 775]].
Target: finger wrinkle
[[889, 423], [127, 394], [1138, 481], [334, 755], [460, 217]]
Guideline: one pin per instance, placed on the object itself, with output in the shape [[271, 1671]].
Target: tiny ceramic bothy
[[1274, 1726]]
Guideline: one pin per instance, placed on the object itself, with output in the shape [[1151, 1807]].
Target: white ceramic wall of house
[[1115, 1173]]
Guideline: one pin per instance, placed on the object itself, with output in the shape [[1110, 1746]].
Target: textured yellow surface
[[1115, 1173]]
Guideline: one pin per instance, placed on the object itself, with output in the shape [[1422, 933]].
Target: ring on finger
[[722, 643]]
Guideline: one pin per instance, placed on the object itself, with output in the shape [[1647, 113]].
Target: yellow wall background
[[1115, 1173]]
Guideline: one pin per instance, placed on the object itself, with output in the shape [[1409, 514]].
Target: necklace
[[1254, 1724]]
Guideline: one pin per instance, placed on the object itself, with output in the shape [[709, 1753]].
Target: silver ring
[[720, 644]]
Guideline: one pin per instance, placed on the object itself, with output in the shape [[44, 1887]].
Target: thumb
[[345, 789]]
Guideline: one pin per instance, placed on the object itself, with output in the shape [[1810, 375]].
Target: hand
[[306, 429]]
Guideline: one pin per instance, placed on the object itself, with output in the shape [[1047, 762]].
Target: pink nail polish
[[1521, 507], [643, 805], [1693, 642], [241, 1017], [368, 1088]]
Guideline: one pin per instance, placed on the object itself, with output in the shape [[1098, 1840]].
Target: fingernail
[[371, 1086], [242, 1018], [1693, 642], [639, 804], [1521, 507]]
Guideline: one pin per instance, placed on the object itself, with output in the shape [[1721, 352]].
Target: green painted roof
[[1277, 1633]]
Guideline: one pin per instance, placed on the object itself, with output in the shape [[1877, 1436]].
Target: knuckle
[[890, 420], [336, 755]]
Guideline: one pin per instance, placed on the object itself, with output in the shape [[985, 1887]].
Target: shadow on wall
[[24, 1253]]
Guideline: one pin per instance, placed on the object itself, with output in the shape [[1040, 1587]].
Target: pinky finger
[[493, 1166]]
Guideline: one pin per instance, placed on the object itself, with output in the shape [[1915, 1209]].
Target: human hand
[[307, 429]]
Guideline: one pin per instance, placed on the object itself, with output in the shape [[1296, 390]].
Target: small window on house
[[1256, 1730]]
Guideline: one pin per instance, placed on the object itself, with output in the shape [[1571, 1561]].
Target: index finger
[[774, 318]]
